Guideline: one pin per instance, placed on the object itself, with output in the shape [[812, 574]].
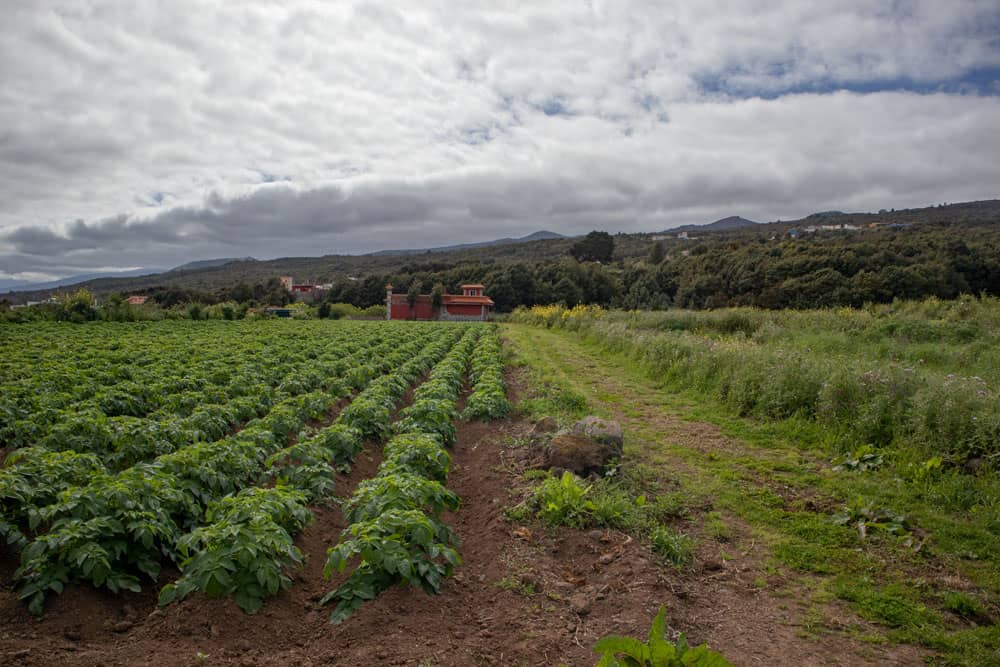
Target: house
[[136, 300], [301, 290], [471, 305]]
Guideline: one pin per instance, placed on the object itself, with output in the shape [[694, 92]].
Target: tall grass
[[916, 378]]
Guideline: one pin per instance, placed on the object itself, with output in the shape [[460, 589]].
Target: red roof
[[459, 300]]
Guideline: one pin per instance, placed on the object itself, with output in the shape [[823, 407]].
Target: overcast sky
[[136, 134]]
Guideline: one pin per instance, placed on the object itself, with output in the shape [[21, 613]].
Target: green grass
[[776, 476]]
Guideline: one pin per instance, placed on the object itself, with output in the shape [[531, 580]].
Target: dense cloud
[[134, 137]]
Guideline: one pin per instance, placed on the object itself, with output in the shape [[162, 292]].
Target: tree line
[[757, 268]]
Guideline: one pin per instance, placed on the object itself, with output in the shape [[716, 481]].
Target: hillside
[[211, 275], [724, 225]]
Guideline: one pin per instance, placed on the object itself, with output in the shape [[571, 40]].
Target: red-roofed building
[[471, 305], [136, 300]]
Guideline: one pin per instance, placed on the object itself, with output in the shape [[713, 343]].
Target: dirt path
[[735, 598]]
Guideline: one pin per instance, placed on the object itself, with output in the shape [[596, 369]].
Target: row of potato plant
[[106, 532], [488, 399], [246, 548], [205, 414], [46, 378], [395, 534], [34, 476]]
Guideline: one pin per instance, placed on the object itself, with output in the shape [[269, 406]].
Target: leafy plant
[[398, 491], [563, 501], [656, 651], [867, 517], [863, 459], [244, 550], [397, 546]]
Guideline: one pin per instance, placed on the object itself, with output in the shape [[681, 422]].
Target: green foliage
[[418, 453], [488, 399], [672, 547], [398, 491], [245, 548], [656, 651], [394, 530], [891, 605], [397, 546], [109, 529], [865, 517], [863, 459], [563, 501], [594, 247], [966, 606]]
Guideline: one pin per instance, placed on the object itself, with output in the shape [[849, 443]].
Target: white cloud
[[439, 121]]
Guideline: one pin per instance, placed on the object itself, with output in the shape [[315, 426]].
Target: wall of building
[[462, 313], [421, 309]]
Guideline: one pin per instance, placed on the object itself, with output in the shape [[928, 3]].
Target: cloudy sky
[[136, 134]]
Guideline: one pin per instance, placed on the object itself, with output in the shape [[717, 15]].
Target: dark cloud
[[155, 134]]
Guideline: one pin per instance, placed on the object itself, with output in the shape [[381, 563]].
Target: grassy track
[[774, 482]]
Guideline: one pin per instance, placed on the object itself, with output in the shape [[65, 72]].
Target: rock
[[72, 635], [545, 425], [595, 535], [604, 431], [586, 448], [580, 604], [123, 626]]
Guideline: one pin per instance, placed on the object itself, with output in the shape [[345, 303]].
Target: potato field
[[202, 447]]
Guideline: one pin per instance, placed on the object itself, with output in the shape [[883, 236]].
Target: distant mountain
[[537, 236], [210, 263], [69, 281], [9, 284], [723, 225]]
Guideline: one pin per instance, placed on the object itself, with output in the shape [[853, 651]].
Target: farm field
[[218, 492]]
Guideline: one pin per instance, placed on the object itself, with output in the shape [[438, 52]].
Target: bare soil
[[524, 595]]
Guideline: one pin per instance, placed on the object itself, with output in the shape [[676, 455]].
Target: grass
[[776, 477]]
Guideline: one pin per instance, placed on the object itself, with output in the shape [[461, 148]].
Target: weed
[[717, 528], [863, 459], [657, 651], [520, 585], [673, 547], [562, 501], [966, 606]]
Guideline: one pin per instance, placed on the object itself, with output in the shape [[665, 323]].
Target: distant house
[[301, 290], [471, 305], [136, 300]]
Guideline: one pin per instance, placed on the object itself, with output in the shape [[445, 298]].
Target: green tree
[[594, 247], [412, 294], [567, 292], [437, 297], [77, 307], [117, 309], [657, 254]]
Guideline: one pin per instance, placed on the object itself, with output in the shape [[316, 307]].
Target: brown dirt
[[524, 595]]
